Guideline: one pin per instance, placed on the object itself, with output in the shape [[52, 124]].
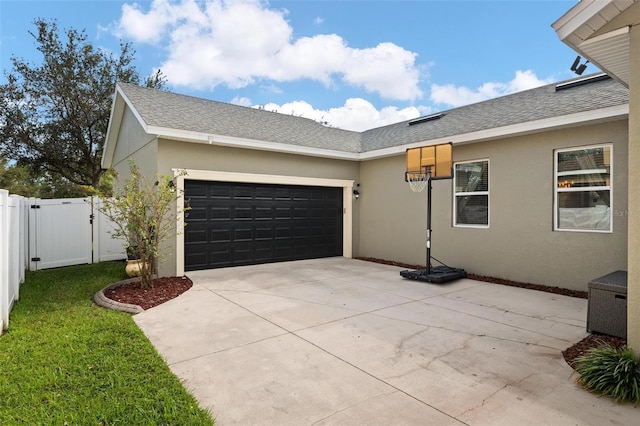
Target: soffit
[[578, 29]]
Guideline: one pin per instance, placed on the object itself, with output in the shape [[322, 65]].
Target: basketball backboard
[[434, 159]]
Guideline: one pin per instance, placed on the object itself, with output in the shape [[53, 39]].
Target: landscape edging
[[101, 300]]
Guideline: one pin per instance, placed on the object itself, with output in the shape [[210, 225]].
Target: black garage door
[[232, 224]]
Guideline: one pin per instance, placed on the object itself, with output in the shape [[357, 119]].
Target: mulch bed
[[163, 290], [590, 342]]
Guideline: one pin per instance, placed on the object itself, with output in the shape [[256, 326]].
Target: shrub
[[144, 214], [610, 371]]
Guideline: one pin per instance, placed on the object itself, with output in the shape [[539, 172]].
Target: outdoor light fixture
[[577, 67], [356, 191]]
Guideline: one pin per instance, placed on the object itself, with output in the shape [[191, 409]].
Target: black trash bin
[[607, 306]]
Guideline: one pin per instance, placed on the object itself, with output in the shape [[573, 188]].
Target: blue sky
[[355, 64]]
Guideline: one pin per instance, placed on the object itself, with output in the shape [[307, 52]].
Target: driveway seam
[[339, 358]]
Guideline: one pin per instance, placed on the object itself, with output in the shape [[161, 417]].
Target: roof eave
[[609, 51], [618, 112], [237, 142], [120, 102]]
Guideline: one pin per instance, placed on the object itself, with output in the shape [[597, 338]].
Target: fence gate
[[105, 247], [59, 232]]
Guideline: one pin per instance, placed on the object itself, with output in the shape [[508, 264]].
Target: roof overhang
[[594, 29], [615, 113], [236, 142], [115, 121], [121, 103]]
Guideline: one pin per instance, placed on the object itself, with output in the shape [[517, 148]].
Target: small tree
[[143, 214]]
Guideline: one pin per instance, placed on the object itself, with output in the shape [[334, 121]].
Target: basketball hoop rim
[[413, 176]]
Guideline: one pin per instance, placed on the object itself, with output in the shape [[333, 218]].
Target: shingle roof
[[174, 111], [521, 107]]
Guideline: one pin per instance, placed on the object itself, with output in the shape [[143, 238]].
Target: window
[[583, 189], [471, 193]]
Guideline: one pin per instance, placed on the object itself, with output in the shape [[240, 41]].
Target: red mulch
[[590, 342], [164, 289], [571, 353]]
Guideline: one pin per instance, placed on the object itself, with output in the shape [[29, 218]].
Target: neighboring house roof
[[580, 100]]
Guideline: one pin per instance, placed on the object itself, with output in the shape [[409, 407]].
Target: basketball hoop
[[425, 164], [417, 180]]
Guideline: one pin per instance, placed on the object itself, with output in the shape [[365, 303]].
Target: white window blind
[[471, 193], [583, 189]]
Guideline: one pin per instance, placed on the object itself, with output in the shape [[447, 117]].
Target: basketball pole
[[428, 264], [424, 164]]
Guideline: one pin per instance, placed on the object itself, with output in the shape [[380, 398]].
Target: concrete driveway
[[346, 342]]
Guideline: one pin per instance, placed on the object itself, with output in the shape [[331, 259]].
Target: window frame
[[558, 190], [457, 194]]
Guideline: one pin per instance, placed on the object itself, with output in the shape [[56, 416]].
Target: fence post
[[33, 232], [4, 260]]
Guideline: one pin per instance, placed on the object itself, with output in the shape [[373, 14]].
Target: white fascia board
[[610, 113], [212, 175], [115, 120], [577, 16], [135, 112], [604, 37], [120, 99], [232, 141]]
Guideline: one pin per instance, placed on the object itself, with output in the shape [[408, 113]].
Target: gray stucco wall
[[182, 155], [633, 284], [520, 243], [135, 144]]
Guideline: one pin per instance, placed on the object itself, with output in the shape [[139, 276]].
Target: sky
[[351, 64]]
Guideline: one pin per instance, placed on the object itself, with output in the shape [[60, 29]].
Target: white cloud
[[242, 101], [356, 114], [237, 43], [453, 96]]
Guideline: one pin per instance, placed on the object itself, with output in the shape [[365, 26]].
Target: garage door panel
[[242, 234], [220, 235], [242, 224], [194, 235], [197, 213]]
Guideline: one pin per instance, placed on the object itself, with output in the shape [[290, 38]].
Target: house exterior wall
[[135, 144], [180, 155], [520, 243], [633, 270]]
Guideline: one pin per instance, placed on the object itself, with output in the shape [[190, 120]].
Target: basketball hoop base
[[437, 274]]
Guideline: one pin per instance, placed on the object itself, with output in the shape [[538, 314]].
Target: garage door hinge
[[35, 206], [35, 259]]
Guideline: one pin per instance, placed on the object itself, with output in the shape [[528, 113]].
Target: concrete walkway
[[345, 342]]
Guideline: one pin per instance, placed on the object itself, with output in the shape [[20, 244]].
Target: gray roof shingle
[[170, 110], [521, 107], [174, 111]]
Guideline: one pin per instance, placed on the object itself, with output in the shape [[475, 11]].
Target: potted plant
[[133, 267]]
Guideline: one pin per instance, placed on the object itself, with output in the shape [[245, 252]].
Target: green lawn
[[65, 361]]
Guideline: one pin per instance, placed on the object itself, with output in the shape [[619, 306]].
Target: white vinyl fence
[[13, 251], [39, 234]]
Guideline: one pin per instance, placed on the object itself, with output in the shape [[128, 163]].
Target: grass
[[65, 361], [611, 371]]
